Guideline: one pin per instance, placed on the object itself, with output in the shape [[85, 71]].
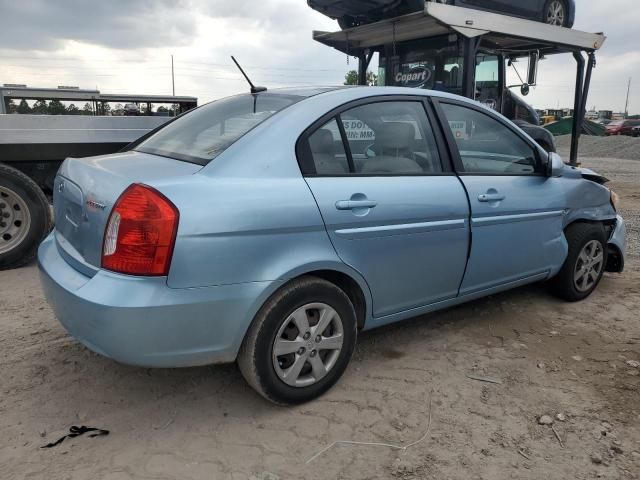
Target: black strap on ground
[[76, 432]]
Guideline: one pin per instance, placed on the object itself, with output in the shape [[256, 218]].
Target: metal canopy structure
[[507, 35], [505, 32]]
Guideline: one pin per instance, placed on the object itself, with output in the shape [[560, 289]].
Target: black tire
[[565, 22], [39, 214], [255, 358], [346, 22], [578, 236]]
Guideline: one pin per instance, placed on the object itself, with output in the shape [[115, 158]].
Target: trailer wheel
[[25, 218]]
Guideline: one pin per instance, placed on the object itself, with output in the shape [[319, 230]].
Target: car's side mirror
[[524, 89], [555, 165]]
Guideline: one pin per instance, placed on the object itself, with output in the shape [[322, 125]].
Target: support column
[[469, 74], [591, 64], [577, 106], [364, 59]]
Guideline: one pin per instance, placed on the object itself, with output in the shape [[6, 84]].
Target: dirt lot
[[406, 383]]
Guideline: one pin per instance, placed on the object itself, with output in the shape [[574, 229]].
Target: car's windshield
[[203, 134]]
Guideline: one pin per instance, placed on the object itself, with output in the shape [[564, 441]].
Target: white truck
[[33, 144]]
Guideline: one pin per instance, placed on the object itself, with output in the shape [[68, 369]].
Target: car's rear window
[[203, 134]]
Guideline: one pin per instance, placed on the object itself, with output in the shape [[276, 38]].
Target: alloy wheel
[[556, 13], [589, 266], [15, 220], [308, 344]]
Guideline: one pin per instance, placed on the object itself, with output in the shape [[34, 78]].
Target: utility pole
[[173, 78], [626, 105]]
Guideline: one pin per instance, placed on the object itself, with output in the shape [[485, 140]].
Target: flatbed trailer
[[32, 147], [416, 46]]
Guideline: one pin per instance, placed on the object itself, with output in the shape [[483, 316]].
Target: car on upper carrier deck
[[269, 229], [351, 13]]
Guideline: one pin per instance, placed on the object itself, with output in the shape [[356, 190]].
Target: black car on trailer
[[351, 13]]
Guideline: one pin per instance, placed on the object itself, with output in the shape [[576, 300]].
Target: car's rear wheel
[[25, 218], [300, 342], [556, 13], [585, 263]]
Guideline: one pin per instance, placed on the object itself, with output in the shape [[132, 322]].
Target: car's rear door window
[[391, 138], [380, 138], [327, 150], [204, 133]]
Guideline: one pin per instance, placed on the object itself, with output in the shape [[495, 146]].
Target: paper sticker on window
[[459, 129], [358, 130]]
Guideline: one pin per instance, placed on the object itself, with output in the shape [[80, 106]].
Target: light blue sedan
[[270, 228]]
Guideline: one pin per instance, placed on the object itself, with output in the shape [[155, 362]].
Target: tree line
[[56, 107], [53, 107]]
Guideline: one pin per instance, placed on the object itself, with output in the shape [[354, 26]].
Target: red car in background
[[622, 127]]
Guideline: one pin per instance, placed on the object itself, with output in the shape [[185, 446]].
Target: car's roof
[[305, 92], [355, 91]]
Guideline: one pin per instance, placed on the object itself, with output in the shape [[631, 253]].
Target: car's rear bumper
[[141, 321]]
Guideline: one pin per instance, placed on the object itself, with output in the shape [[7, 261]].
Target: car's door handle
[[354, 204], [491, 197]]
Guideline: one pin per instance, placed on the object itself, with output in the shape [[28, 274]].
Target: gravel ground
[[465, 388], [623, 173], [616, 147]]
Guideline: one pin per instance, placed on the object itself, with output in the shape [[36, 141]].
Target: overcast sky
[[124, 46]]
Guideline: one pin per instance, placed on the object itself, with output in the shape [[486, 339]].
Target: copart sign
[[414, 77]]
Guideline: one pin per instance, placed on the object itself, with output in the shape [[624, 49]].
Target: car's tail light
[[141, 233]]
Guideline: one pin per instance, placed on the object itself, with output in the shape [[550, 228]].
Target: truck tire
[[25, 218]]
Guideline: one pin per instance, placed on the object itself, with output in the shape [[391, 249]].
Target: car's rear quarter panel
[[249, 216]]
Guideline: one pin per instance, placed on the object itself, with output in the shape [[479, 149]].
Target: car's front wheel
[[585, 263], [556, 13], [300, 342]]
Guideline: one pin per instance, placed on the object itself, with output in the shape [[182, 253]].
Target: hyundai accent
[[271, 228]]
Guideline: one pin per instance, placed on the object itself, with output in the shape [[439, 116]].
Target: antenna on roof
[[254, 89]]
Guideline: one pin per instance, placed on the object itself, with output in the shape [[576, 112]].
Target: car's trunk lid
[[85, 191]]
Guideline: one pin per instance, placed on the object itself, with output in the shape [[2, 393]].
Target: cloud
[[125, 46], [46, 24]]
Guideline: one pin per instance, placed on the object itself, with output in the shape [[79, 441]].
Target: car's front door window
[[488, 147]]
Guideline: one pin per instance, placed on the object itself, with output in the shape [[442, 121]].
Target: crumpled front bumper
[[617, 246]]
